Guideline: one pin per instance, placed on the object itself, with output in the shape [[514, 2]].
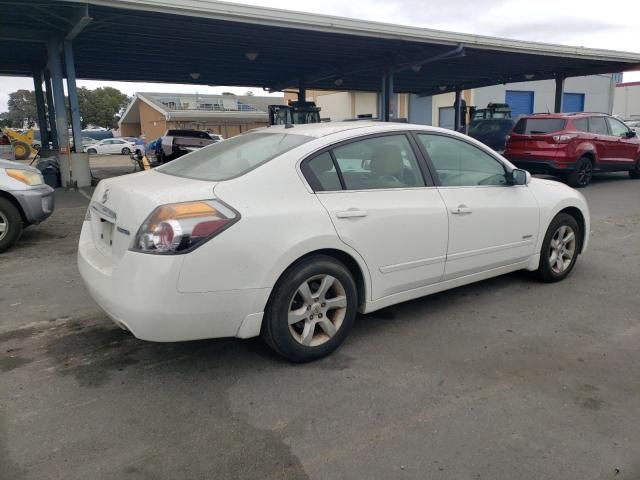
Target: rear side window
[[581, 125], [598, 125], [321, 174], [539, 126], [233, 157], [379, 162]]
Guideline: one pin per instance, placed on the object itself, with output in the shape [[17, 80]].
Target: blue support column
[[51, 111], [55, 67], [73, 95], [42, 114]]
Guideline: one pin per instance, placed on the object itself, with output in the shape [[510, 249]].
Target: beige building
[[152, 114], [626, 102]]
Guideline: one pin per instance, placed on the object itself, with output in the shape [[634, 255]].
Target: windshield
[[539, 126], [233, 157]]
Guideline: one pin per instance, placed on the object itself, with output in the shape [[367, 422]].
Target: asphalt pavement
[[505, 379]]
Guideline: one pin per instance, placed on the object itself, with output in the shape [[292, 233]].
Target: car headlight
[[180, 227], [27, 177]]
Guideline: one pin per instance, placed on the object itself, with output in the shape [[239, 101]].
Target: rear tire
[[582, 175], [635, 171], [560, 248], [92, 151], [10, 224], [21, 150], [311, 309]]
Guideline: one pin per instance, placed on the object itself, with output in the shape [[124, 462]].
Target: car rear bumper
[[140, 294], [540, 166], [37, 203]]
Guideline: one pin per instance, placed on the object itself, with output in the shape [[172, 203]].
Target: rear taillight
[[564, 138], [180, 227], [506, 140]]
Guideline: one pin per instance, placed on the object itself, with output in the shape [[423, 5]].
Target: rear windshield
[[233, 157], [539, 126], [187, 133]]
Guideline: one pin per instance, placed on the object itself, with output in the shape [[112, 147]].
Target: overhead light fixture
[[195, 75], [338, 82], [416, 67], [528, 76], [251, 56], [442, 88]]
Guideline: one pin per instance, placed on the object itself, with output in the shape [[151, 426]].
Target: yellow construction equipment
[[21, 141]]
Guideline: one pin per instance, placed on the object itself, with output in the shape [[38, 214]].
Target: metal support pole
[[387, 81], [42, 114], [391, 107], [456, 106], [73, 95], [51, 111], [55, 66], [557, 108], [302, 91]]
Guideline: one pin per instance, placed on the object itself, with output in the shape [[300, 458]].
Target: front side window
[[234, 157], [460, 164], [618, 129], [379, 162], [598, 125]]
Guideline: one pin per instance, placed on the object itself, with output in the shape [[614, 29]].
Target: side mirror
[[520, 177], [631, 134]]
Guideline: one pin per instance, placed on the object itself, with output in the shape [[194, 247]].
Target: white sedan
[[117, 146], [288, 232]]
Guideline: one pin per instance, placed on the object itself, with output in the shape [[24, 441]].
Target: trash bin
[[50, 171]]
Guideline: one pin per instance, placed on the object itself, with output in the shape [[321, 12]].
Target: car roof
[[565, 115], [323, 129]]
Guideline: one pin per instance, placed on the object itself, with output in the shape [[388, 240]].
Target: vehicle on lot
[[573, 146], [97, 133], [22, 141], [295, 113], [24, 200], [492, 132], [176, 143], [493, 110], [288, 232], [116, 146]]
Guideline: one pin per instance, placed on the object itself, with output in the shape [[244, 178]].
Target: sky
[[587, 23]]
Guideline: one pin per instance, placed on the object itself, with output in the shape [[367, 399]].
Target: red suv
[[573, 146]]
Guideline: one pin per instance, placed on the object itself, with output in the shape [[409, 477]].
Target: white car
[[118, 146], [288, 232]]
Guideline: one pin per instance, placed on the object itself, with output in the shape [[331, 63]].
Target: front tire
[[582, 175], [126, 151], [92, 151], [10, 224], [560, 248], [311, 309], [635, 171]]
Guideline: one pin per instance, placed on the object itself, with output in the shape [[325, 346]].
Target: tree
[[249, 93], [22, 108], [99, 107]]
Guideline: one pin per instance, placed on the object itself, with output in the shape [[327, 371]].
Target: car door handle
[[351, 213], [461, 210]]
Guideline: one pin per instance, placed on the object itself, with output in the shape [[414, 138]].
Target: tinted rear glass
[[598, 125], [581, 125], [187, 133], [539, 126], [233, 157]]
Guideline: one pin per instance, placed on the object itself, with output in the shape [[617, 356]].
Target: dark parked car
[[573, 146], [492, 132]]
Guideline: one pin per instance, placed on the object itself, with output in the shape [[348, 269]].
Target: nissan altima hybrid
[[288, 233]]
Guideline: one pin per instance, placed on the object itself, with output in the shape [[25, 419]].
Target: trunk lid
[[120, 205]]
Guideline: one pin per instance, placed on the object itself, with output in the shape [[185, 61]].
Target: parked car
[[138, 144], [97, 133], [117, 146], [573, 146], [288, 232], [178, 142], [24, 200], [492, 132]]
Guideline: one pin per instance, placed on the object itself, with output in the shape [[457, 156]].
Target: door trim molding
[[483, 251], [412, 264]]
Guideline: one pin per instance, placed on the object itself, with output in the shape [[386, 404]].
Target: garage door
[[573, 102], [420, 110], [520, 101], [446, 117]]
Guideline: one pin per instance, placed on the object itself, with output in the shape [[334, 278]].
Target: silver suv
[[24, 200]]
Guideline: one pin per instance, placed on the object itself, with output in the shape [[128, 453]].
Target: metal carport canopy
[[167, 41]]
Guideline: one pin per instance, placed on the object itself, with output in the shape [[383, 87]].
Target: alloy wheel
[[4, 225], [562, 249], [585, 173], [317, 310]]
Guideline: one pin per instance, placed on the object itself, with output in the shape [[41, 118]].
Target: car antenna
[[547, 105]]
